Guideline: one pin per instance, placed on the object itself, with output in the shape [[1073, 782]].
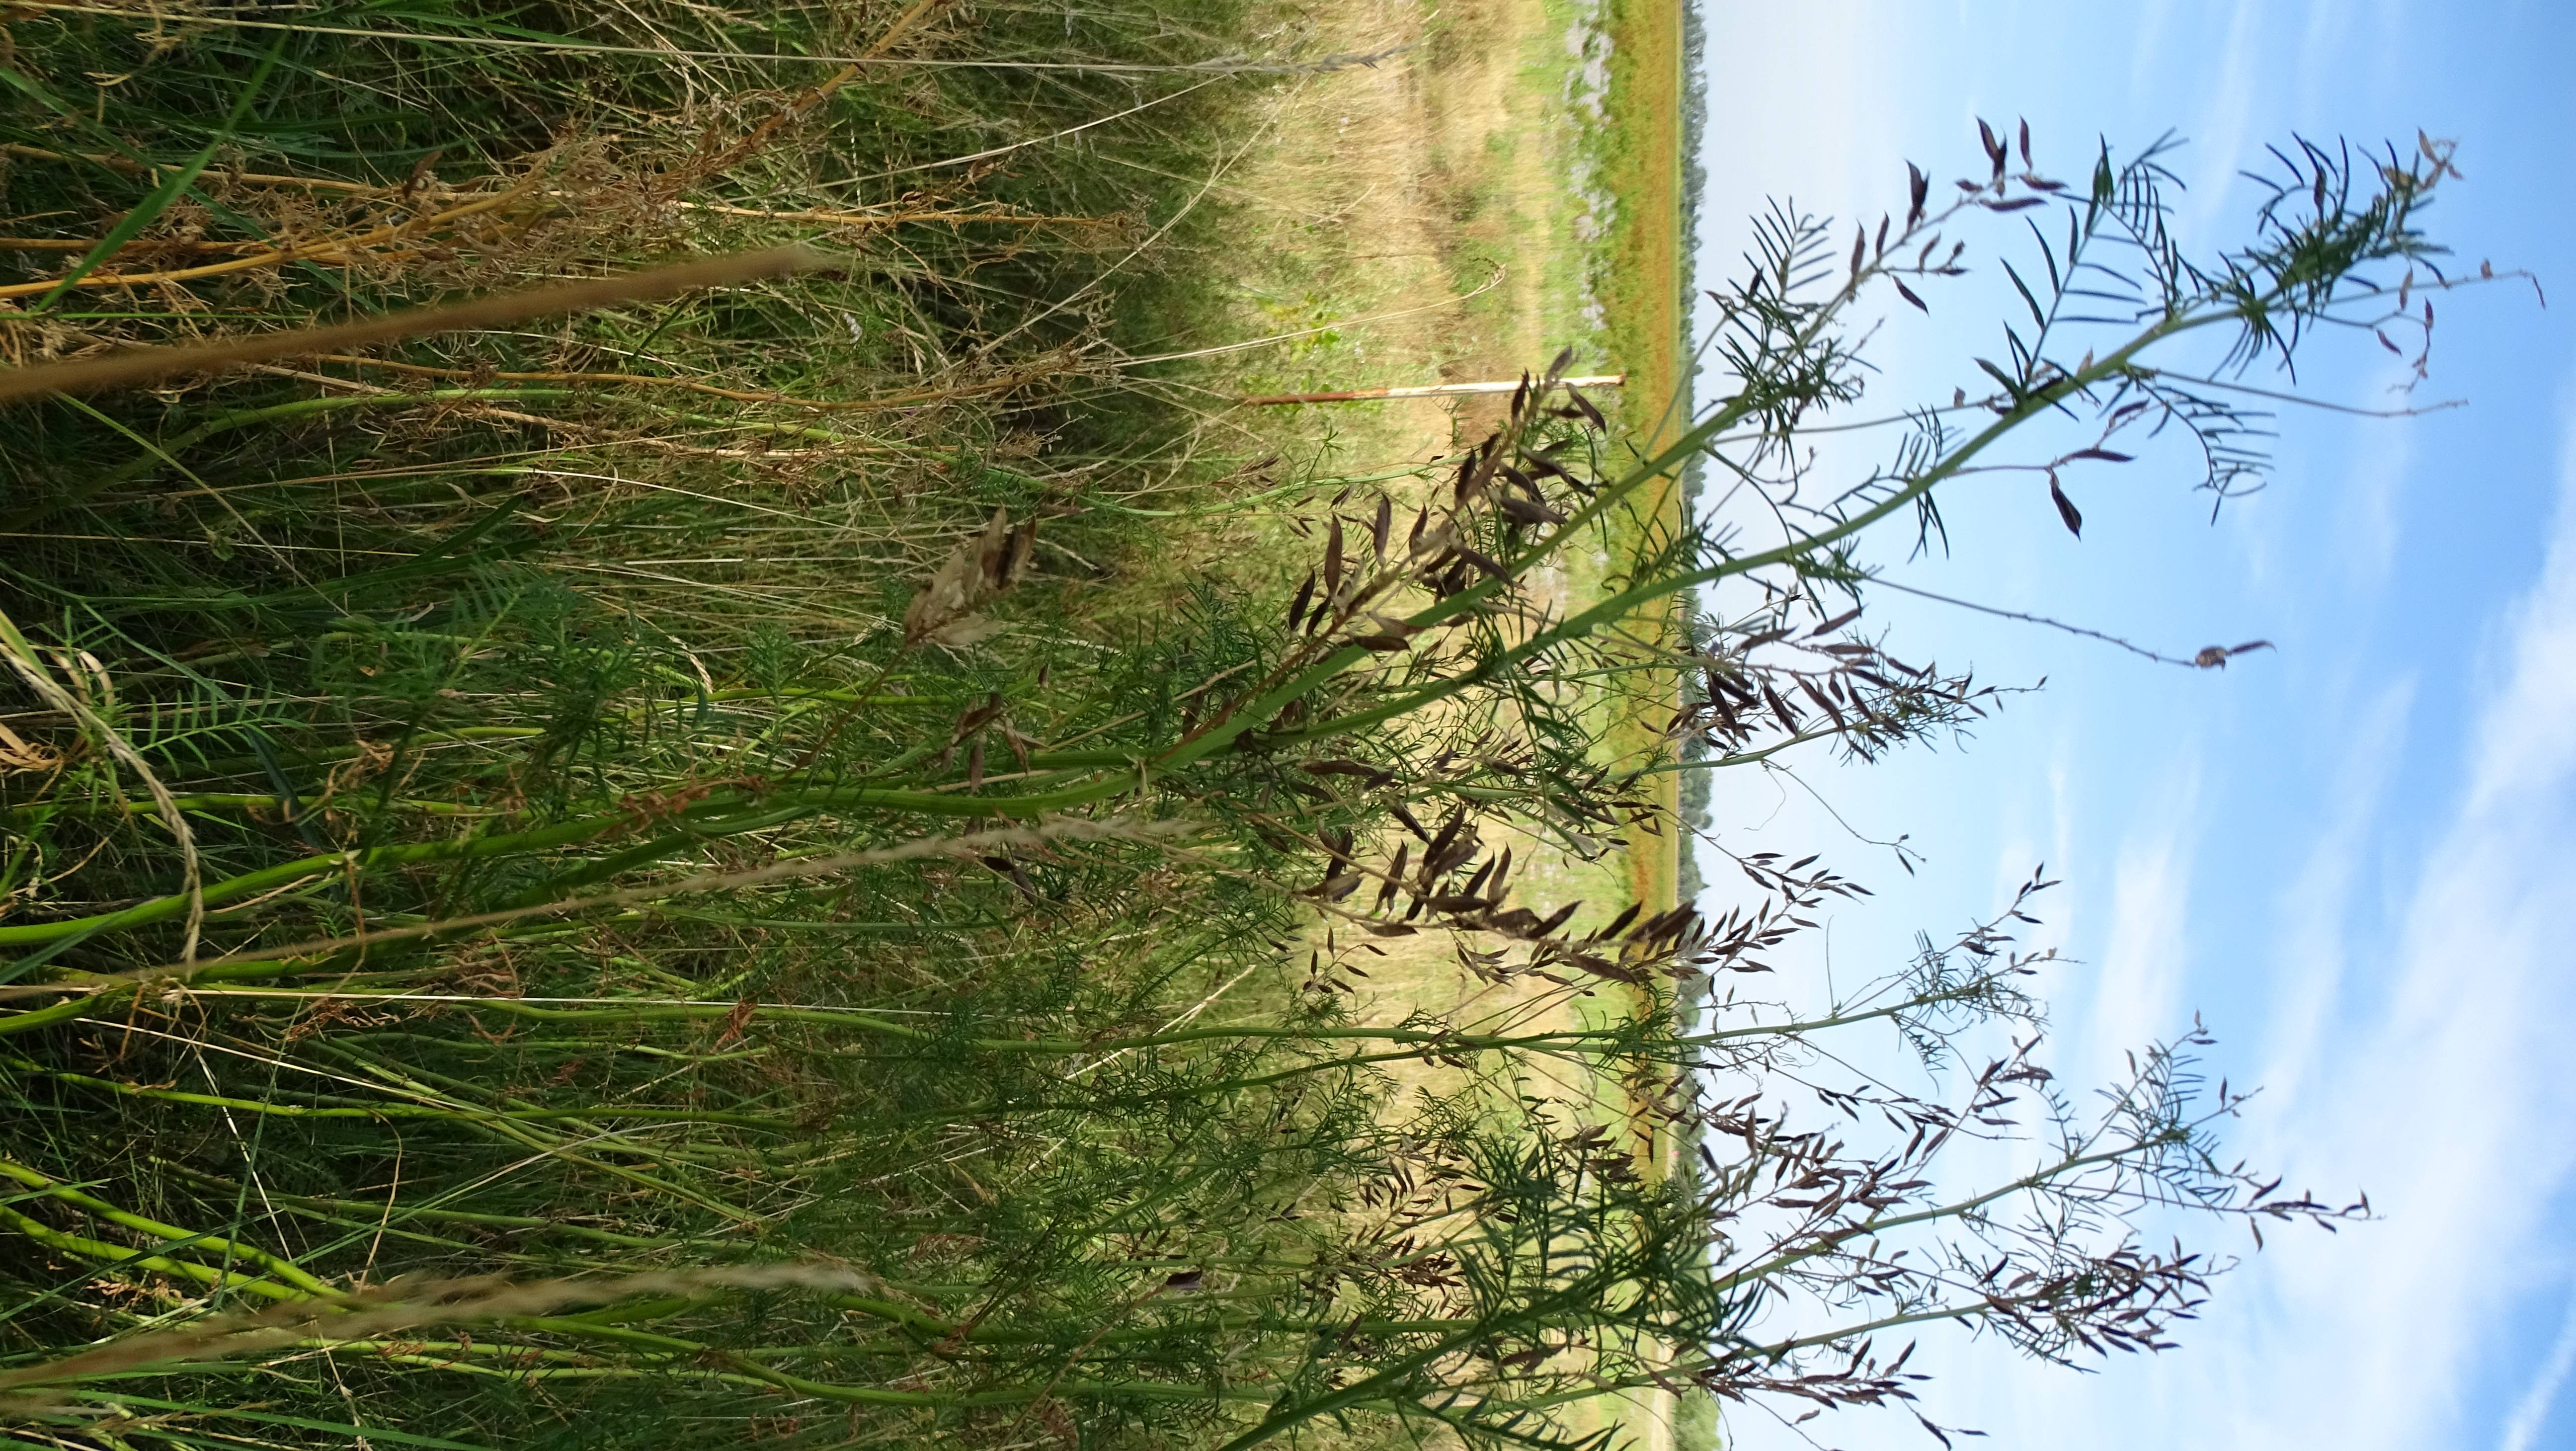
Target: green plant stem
[[283, 1269], [646, 1113], [1879, 1224]]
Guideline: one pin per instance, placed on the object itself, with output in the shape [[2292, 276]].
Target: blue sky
[[2356, 857]]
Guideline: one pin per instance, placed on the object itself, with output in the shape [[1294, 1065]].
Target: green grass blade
[[300, 1423]]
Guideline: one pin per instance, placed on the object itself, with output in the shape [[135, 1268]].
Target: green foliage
[[689, 875]]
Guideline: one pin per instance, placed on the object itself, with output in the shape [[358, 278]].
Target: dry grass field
[[1507, 185]]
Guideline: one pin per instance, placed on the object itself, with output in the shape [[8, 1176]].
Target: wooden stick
[[145, 365], [1425, 390]]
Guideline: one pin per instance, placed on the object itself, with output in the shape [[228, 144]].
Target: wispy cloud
[[2419, 1052], [2314, 957], [2138, 994], [2218, 134], [2366, 511], [2442, 1090], [2522, 1429]]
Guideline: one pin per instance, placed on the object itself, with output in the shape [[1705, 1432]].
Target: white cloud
[[2366, 523], [2218, 136], [2137, 996], [2314, 954], [2522, 1429], [2147, 63], [2528, 737], [2441, 1089]]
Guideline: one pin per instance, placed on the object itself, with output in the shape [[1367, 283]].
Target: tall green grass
[[484, 624]]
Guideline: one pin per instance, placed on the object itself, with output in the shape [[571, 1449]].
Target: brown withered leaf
[[19, 755], [943, 612], [2214, 657]]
